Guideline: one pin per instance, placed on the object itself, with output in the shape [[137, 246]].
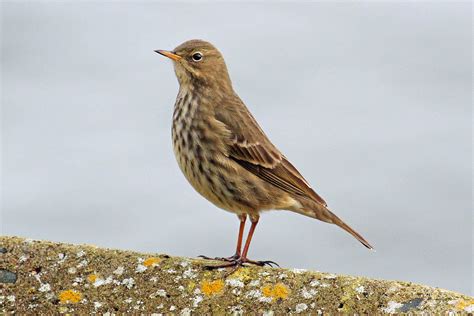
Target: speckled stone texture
[[53, 278]]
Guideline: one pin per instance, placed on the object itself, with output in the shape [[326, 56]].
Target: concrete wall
[[50, 278]]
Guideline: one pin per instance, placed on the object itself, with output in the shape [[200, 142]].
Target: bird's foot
[[237, 261], [263, 263], [227, 259]]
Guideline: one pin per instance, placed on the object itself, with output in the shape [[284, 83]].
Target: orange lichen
[[212, 287], [70, 296], [152, 261], [267, 290], [279, 291], [92, 278]]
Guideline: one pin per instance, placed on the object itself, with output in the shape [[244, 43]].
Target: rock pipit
[[224, 153]]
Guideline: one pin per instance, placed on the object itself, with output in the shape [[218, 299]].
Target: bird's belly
[[197, 162]]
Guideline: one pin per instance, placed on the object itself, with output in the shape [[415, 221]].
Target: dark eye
[[197, 56]]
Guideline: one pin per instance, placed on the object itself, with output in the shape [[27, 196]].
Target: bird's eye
[[197, 56]]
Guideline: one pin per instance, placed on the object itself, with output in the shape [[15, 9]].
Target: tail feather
[[351, 231], [321, 212]]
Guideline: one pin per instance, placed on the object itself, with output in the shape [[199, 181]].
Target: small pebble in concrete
[[412, 304], [7, 276]]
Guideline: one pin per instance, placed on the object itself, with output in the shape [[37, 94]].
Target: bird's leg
[[242, 218], [238, 250], [240, 260], [254, 221], [244, 258]]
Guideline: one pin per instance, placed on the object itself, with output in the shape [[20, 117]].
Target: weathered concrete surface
[[52, 278]]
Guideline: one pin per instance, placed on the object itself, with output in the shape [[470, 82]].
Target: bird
[[226, 156]]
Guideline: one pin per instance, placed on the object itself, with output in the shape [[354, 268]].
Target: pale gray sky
[[371, 101]]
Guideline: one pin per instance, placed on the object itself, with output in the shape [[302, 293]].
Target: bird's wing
[[251, 148]]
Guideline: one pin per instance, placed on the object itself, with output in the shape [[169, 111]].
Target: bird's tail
[[321, 212], [351, 231]]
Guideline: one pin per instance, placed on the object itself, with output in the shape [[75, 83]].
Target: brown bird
[[226, 156]]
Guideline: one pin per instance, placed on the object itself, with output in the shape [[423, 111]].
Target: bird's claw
[[263, 263], [205, 257]]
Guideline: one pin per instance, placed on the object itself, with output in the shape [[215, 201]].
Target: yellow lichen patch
[[212, 287], [92, 277], [462, 304], [279, 291], [70, 296], [63, 309], [191, 286], [242, 274], [152, 261]]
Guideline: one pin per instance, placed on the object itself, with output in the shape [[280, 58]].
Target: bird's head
[[198, 62]]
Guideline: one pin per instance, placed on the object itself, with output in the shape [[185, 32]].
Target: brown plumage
[[224, 153]]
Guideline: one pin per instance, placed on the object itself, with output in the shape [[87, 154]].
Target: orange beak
[[168, 54]]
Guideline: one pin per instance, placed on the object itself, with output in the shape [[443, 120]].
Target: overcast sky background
[[371, 101]]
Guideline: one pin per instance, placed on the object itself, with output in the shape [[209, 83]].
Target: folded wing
[[251, 148]]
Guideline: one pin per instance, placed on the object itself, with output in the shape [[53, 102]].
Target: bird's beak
[[168, 54]]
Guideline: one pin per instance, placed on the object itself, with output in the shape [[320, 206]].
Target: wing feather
[[251, 148]]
